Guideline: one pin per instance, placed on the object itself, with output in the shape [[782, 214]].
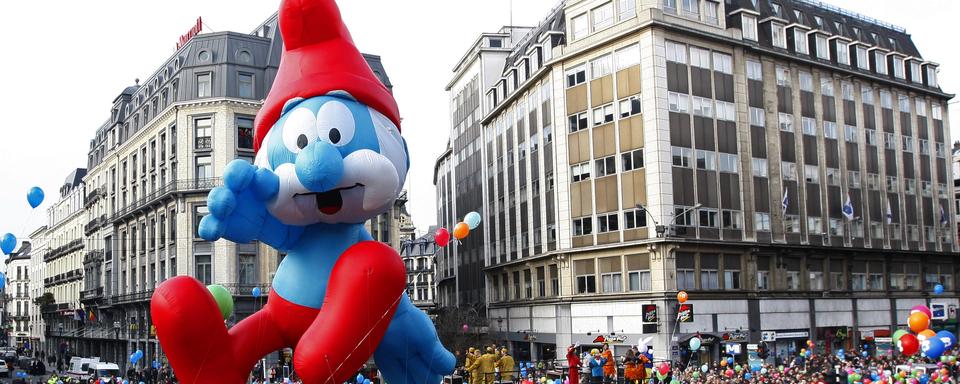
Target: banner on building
[[649, 313], [685, 313]]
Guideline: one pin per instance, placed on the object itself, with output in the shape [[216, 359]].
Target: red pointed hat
[[319, 57]]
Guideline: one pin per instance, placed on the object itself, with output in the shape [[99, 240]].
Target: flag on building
[[889, 212], [944, 220], [848, 208], [786, 200]]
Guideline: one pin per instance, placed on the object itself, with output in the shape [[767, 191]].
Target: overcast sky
[[60, 71]]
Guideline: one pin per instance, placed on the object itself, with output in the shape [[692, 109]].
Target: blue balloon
[[366, 381], [948, 339], [472, 219], [3, 280], [142, 382], [35, 197], [865, 353], [255, 292], [360, 378], [747, 376], [124, 382], [938, 289], [729, 360], [932, 348], [8, 243]]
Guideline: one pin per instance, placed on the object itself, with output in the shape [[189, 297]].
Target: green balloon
[[223, 298], [897, 335], [674, 381]]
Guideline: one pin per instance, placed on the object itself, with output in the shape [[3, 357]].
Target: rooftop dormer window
[[856, 32], [776, 9], [800, 41], [819, 21], [799, 15], [496, 43]]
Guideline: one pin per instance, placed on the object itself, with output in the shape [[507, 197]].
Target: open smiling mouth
[[330, 202]]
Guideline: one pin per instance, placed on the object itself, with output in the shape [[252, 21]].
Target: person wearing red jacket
[[573, 362]]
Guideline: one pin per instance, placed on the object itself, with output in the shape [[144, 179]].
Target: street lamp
[[662, 229]]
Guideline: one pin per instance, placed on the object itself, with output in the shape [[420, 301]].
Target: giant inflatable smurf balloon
[[329, 157]]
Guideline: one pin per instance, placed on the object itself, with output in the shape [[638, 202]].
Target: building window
[[204, 85], [853, 179], [800, 41], [670, 6], [826, 86], [823, 50], [814, 225], [811, 173], [862, 61], [634, 219], [681, 157], [702, 106], [678, 102], [709, 277], [601, 66], [921, 107], [245, 85], [203, 270], [708, 218], [915, 75], [606, 166], [725, 111], [791, 224], [690, 8], [586, 276], [908, 143], [706, 160], [754, 70], [898, 69], [577, 122], [809, 126], [676, 53], [783, 77], [608, 223], [626, 9], [850, 133], [731, 219], [778, 35], [757, 117], [749, 26], [603, 115], [843, 52], [684, 216], [580, 27], [602, 16], [870, 136], [731, 272], [685, 271], [880, 62], [203, 169], [199, 212], [629, 56], [630, 106], [631, 160], [836, 227], [580, 172], [202, 129], [576, 76], [806, 81], [710, 11], [786, 122], [244, 133], [833, 177], [583, 226], [886, 99], [700, 57], [760, 167], [727, 163], [246, 269], [830, 130], [638, 273], [932, 77]]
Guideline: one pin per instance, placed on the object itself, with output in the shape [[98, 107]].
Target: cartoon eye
[[299, 130], [335, 123]]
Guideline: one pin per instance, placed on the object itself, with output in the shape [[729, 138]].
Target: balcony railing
[[62, 250], [94, 224], [177, 186], [135, 297], [74, 275], [93, 256], [91, 294], [95, 195]]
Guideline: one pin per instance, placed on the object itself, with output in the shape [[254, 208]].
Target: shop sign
[[768, 336], [195, 30], [793, 335], [649, 313], [939, 311], [685, 313], [609, 339]]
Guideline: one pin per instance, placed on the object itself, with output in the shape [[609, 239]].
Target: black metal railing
[[62, 250], [95, 224], [91, 294], [177, 186], [63, 278]]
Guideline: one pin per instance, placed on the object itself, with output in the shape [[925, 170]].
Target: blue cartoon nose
[[319, 166]]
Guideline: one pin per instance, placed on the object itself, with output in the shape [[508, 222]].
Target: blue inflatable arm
[[410, 351], [238, 210]]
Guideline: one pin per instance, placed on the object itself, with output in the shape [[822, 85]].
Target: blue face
[[339, 161]]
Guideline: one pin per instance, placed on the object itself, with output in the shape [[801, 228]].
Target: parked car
[[4, 370]]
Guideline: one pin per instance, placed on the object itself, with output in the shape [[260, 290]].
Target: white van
[[98, 370], [79, 366]]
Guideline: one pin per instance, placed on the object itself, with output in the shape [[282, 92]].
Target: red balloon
[[442, 237], [908, 345]]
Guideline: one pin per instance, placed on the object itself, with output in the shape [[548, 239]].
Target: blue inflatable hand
[[238, 210], [410, 352]]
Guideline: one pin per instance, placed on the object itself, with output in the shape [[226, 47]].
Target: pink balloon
[[466, 327], [442, 237], [921, 308]]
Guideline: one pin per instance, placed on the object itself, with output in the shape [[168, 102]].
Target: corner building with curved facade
[[790, 159]]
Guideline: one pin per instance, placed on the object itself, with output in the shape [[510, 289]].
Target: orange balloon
[[682, 297], [723, 362], [918, 322], [461, 231], [927, 334]]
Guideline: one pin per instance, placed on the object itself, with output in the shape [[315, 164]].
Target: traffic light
[[762, 351]]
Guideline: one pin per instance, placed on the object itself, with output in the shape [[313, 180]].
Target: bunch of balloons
[[929, 343], [8, 242], [136, 356], [362, 380], [460, 231]]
